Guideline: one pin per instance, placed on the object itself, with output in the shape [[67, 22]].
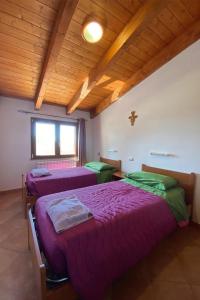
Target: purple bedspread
[[60, 180], [127, 223]]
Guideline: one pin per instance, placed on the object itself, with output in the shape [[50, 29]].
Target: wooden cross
[[133, 117]]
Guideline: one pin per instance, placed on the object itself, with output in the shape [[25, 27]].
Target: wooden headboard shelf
[[112, 162], [186, 180]]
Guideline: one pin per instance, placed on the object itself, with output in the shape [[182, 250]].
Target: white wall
[[168, 108], [15, 138]]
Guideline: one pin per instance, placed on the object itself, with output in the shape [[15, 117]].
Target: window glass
[[45, 139], [67, 140]]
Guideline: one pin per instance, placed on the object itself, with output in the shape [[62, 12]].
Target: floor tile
[[188, 236], [7, 258], [171, 291], [7, 215], [189, 258], [17, 240], [9, 294], [135, 284], [165, 266], [19, 275], [196, 291]]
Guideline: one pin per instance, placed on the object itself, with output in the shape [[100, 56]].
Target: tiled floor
[[171, 272]]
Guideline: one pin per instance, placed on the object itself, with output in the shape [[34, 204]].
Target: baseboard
[[9, 191]]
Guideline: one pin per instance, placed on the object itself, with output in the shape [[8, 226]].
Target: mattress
[[127, 224], [60, 180]]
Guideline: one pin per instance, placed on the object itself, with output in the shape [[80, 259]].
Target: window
[[53, 139]]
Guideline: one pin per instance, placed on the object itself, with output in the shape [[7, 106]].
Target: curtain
[[81, 142]]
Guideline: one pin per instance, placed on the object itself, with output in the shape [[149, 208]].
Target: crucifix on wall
[[133, 117]]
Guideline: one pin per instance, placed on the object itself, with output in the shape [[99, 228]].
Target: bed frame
[[29, 199], [186, 181], [44, 293], [66, 291], [26, 198], [115, 163]]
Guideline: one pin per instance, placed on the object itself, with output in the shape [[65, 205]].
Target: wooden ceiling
[[44, 58]]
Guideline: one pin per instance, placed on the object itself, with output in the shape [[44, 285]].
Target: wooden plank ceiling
[[43, 57]]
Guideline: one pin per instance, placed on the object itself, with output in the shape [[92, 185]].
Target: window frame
[[57, 124]]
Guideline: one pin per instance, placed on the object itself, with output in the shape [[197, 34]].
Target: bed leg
[[23, 200], [24, 197], [22, 187], [29, 246]]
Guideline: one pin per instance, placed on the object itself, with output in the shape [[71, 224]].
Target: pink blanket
[[127, 223], [60, 180]]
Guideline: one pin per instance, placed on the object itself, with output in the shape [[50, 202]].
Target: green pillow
[[99, 166], [158, 181]]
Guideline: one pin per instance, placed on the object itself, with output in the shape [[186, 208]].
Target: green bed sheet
[[102, 176], [174, 198]]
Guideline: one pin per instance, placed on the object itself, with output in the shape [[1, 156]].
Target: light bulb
[[92, 32]]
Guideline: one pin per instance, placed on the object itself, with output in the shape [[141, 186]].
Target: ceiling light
[[92, 31]]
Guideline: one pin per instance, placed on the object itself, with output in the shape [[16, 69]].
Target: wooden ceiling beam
[[64, 16], [188, 37], [132, 29]]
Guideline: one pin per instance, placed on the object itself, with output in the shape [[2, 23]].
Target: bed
[[66, 179], [98, 251]]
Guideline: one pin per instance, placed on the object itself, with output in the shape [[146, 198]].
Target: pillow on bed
[[39, 172], [160, 182], [99, 166]]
